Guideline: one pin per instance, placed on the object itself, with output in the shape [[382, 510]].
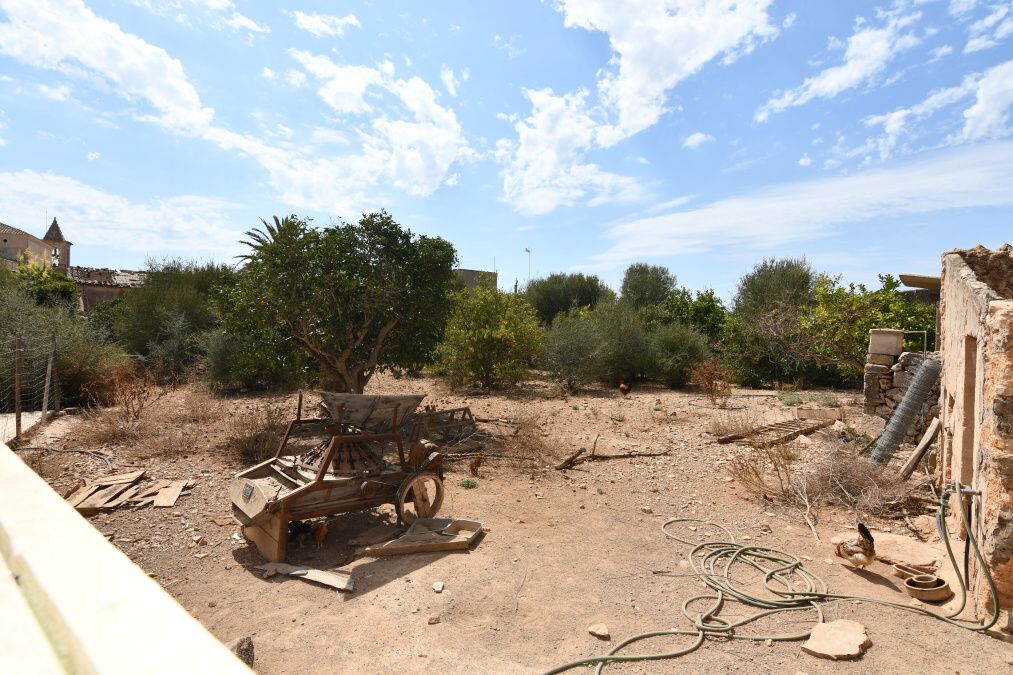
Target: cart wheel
[[419, 497]]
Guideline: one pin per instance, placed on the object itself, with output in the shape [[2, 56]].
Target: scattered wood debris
[[339, 579], [106, 493], [431, 534], [777, 433]]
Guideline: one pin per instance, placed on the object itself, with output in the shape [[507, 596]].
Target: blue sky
[[702, 135]]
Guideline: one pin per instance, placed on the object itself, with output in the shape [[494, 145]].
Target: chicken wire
[[35, 354]]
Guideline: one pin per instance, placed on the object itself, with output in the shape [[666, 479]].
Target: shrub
[[703, 311], [258, 433], [490, 337], [568, 346], [622, 345], [645, 284], [715, 380], [254, 361], [677, 349], [558, 293]]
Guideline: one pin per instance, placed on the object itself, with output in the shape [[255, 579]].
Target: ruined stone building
[[976, 400], [95, 284]]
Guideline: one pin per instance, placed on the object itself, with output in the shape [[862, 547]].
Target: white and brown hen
[[859, 552]]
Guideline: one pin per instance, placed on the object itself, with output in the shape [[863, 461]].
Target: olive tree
[[355, 297]]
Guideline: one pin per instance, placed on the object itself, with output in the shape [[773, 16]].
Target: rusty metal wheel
[[420, 496]]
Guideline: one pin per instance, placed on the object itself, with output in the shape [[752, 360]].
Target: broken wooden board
[[920, 449], [777, 433], [104, 493], [129, 477], [339, 579], [167, 496], [427, 535]]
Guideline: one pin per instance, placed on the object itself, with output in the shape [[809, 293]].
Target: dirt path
[[564, 550]]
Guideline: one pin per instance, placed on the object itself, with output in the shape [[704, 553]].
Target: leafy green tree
[[560, 292], [835, 329], [40, 281], [622, 345], [490, 337], [757, 338], [568, 346], [645, 284], [677, 348], [702, 311], [355, 297]]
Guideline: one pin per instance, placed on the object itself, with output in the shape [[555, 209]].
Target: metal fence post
[[49, 378], [17, 385]]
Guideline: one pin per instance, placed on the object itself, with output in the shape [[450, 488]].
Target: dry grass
[[131, 396], [715, 380], [738, 422], [526, 440], [257, 433]]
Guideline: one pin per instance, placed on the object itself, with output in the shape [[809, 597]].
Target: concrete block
[[886, 341], [902, 379], [880, 359], [879, 370]]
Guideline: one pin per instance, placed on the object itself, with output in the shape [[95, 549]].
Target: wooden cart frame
[[268, 496]]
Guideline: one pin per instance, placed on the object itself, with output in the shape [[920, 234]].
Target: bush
[[255, 361], [490, 337], [715, 380], [558, 293], [702, 311], [677, 348], [645, 285], [622, 345], [568, 346]]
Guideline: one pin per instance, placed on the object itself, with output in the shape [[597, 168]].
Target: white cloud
[[671, 204], [296, 78], [972, 176], [941, 52], [508, 45], [695, 140], [450, 82], [789, 21], [344, 87], [325, 25], [186, 224], [869, 49], [543, 168], [989, 116], [238, 21], [3, 125], [658, 43], [93, 156], [60, 92], [961, 7], [413, 154], [990, 30], [268, 74], [805, 159]]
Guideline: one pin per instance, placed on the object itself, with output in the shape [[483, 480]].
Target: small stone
[[599, 630], [840, 639], [243, 649], [646, 509], [434, 619], [438, 587], [768, 642]]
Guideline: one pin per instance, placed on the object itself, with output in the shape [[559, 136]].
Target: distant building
[[475, 278], [95, 284]]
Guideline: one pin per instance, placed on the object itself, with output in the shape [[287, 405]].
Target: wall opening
[[968, 414]]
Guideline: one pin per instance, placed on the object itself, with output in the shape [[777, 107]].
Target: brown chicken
[[859, 552], [318, 532], [474, 464], [624, 388]]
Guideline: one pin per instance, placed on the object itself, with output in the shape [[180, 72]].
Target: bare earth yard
[[565, 549]]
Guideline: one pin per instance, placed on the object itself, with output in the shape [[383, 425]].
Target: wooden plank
[[168, 495], [129, 477], [429, 535], [270, 536], [920, 449], [98, 500], [122, 498], [151, 490], [81, 494], [339, 579], [786, 435]]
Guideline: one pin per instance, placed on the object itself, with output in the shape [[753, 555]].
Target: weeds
[[468, 484], [823, 398], [715, 380], [726, 424], [257, 434]]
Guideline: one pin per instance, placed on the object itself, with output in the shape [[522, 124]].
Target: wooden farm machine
[[360, 452]]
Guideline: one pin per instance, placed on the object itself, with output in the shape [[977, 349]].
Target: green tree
[[757, 339], [622, 345], [835, 329], [568, 346], [677, 348], [645, 284], [491, 337], [560, 292], [45, 285], [702, 311], [355, 297]]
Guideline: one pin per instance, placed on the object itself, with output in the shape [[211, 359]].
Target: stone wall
[[888, 373]]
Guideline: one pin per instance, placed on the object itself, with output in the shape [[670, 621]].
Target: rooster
[[623, 387], [318, 532], [297, 532], [859, 552], [474, 464]]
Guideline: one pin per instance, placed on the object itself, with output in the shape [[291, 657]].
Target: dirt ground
[[564, 550]]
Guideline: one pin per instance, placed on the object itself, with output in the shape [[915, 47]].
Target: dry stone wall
[[888, 373]]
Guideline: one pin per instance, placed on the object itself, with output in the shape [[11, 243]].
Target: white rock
[[438, 587], [599, 630], [840, 639]]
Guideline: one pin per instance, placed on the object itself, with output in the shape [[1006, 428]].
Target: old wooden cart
[[359, 453]]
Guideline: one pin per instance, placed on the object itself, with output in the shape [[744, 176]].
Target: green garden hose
[[795, 589]]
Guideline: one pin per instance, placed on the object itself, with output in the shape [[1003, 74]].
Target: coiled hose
[[794, 589]]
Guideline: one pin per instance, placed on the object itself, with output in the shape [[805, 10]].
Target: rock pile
[[888, 373]]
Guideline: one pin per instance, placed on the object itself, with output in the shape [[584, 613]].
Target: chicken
[[318, 532], [859, 552], [297, 532], [624, 388], [474, 464]]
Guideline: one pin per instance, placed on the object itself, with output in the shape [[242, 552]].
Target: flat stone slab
[[599, 630], [841, 639]]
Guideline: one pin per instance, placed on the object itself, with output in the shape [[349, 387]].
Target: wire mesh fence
[[28, 384]]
